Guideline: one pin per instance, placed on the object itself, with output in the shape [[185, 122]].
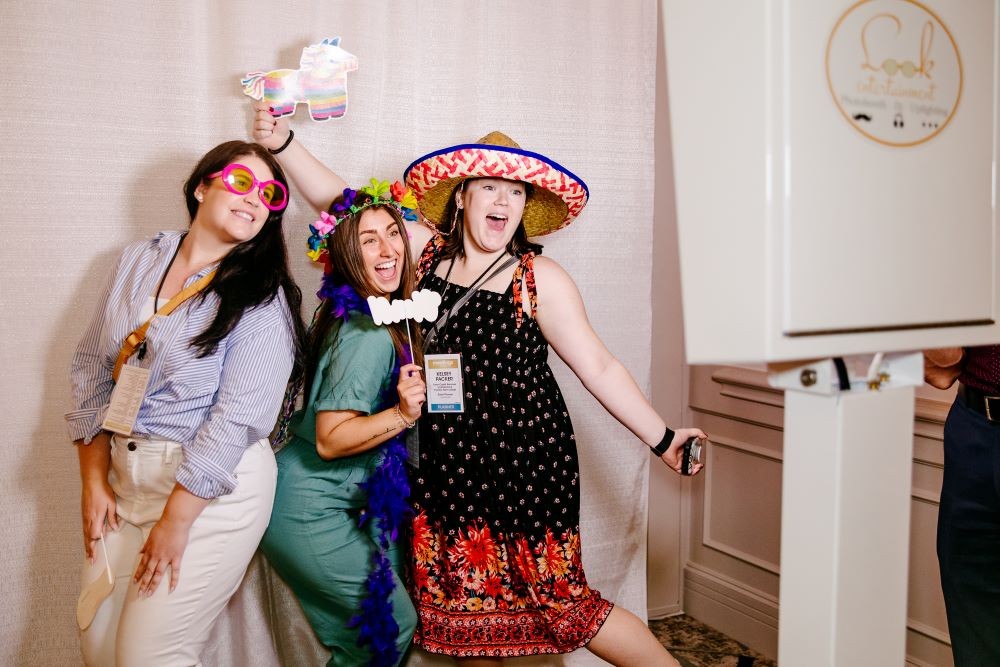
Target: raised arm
[[319, 184], [313, 179], [563, 321]]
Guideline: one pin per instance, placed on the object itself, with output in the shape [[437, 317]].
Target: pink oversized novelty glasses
[[239, 180]]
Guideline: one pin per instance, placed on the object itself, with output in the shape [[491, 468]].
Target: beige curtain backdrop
[[109, 104]]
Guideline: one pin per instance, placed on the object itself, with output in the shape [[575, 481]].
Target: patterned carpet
[[709, 648]]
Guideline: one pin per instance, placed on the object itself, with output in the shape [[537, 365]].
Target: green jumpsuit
[[313, 540]]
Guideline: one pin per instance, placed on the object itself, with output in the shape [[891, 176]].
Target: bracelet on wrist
[[402, 419], [664, 444], [275, 151]]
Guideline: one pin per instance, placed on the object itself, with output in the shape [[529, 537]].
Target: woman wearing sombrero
[[496, 560]]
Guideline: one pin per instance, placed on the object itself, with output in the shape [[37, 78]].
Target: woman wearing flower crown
[[175, 499], [342, 487], [495, 551]]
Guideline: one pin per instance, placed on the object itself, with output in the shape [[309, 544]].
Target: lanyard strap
[[135, 339], [442, 322]]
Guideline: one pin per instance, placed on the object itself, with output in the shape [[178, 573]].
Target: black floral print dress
[[496, 568]]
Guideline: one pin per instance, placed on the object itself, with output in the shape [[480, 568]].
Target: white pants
[[172, 629]]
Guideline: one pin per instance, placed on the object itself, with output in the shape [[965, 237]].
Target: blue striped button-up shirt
[[215, 406]]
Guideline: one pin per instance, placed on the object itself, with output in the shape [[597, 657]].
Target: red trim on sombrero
[[476, 160], [538, 170], [424, 176], [496, 148], [470, 160]]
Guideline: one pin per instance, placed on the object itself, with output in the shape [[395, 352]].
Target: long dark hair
[[453, 242], [347, 268], [252, 272]]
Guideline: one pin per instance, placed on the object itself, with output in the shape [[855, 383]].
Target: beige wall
[[667, 380]]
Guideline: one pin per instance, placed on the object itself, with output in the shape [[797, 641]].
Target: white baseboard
[[745, 614], [750, 616], [657, 613]]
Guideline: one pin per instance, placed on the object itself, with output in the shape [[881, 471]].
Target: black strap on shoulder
[[442, 321]]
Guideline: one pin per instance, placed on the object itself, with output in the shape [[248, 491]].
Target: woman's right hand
[[268, 131], [412, 392], [98, 506]]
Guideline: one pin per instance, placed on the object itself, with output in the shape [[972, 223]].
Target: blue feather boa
[[387, 489], [343, 299]]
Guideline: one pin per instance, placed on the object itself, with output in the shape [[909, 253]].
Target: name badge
[[443, 373], [126, 399]]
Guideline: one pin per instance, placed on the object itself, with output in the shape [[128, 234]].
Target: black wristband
[[668, 437], [275, 151]]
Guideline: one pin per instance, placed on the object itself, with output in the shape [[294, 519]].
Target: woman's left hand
[[164, 547], [672, 457], [412, 391]]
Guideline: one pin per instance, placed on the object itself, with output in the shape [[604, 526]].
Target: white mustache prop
[[422, 305]]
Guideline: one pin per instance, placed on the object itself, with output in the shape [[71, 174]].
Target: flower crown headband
[[397, 195]]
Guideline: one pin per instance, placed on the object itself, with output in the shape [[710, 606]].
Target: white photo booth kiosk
[[836, 192]]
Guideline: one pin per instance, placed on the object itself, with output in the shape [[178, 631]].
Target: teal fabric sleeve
[[360, 369]]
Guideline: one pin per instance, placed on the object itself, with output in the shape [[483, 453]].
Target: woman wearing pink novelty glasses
[[177, 383]]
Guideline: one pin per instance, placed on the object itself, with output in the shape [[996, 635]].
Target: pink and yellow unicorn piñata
[[320, 82]]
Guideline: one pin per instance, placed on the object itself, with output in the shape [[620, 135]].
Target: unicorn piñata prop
[[320, 82]]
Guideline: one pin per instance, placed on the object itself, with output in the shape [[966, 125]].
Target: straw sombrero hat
[[559, 194]]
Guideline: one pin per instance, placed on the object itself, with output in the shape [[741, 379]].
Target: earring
[[200, 197], [454, 222]]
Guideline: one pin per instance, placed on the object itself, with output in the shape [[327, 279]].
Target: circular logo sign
[[894, 71]]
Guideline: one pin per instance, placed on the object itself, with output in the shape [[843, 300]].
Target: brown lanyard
[[136, 338]]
